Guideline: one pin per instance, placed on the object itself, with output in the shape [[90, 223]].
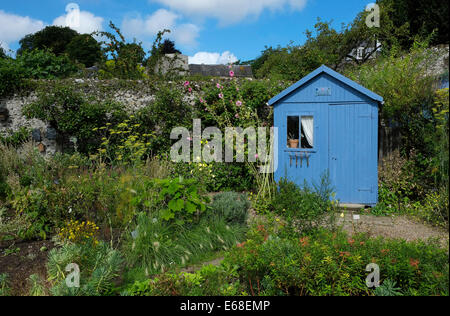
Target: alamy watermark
[[373, 18], [258, 144], [373, 279], [73, 15], [73, 278]]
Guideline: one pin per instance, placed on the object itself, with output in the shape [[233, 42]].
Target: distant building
[[173, 62], [180, 63], [364, 52]]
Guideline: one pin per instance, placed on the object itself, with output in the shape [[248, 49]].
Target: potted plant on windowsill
[[292, 142]]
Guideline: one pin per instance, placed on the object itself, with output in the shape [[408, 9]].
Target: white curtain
[[308, 129]]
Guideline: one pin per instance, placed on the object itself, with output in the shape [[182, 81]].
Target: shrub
[[99, 267], [17, 138], [72, 114], [43, 64], [232, 207], [304, 208], [84, 49], [12, 78], [181, 200], [79, 233], [5, 289], [332, 264], [208, 281], [156, 245]]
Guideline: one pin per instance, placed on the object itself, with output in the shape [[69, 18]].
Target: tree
[[2, 53], [125, 57], [421, 18], [168, 47], [55, 38], [85, 50], [132, 52]]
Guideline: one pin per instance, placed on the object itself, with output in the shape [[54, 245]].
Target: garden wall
[[133, 95]]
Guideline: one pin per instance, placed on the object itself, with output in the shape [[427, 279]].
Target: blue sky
[[209, 31]]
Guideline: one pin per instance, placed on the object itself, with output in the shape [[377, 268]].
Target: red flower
[[304, 241], [414, 263]]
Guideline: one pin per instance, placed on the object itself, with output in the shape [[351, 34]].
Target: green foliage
[[73, 115], [182, 200], [156, 245], [54, 38], [169, 110], [99, 266], [37, 285], [126, 57], [232, 207], [305, 209], [388, 288], [12, 78], [122, 144], [208, 281], [420, 19], [5, 289], [332, 264], [217, 177], [84, 49], [408, 91], [44, 64], [17, 138]]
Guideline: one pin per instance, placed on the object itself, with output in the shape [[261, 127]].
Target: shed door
[[350, 150]]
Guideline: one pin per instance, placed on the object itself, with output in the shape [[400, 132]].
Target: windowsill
[[298, 150]]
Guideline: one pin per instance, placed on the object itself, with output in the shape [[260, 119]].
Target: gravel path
[[392, 227]]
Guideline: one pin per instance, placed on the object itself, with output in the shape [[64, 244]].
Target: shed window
[[293, 130], [307, 132]]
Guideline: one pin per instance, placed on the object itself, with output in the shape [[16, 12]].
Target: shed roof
[[332, 73]]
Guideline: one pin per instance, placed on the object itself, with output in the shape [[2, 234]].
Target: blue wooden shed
[[328, 123]]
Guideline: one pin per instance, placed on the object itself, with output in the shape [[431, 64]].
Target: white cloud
[[213, 58], [14, 27], [85, 23], [229, 11], [142, 28]]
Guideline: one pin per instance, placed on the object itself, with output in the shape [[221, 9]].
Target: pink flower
[[202, 101], [236, 116], [237, 88], [190, 89], [239, 103], [187, 83], [256, 156], [219, 86], [189, 139], [221, 95], [232, 74]]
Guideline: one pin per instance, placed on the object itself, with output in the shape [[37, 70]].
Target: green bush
[[156, 245], [181, 200], [5, 289], [73, 115], [232, 207], [99, 266], [43, 64], [84, 49], [333, 264], [12, 78], [208, 281], [305, 209]]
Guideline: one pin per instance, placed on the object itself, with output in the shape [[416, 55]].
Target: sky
[[208, 31]]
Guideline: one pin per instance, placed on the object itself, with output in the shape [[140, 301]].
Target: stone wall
[[134, 95]]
